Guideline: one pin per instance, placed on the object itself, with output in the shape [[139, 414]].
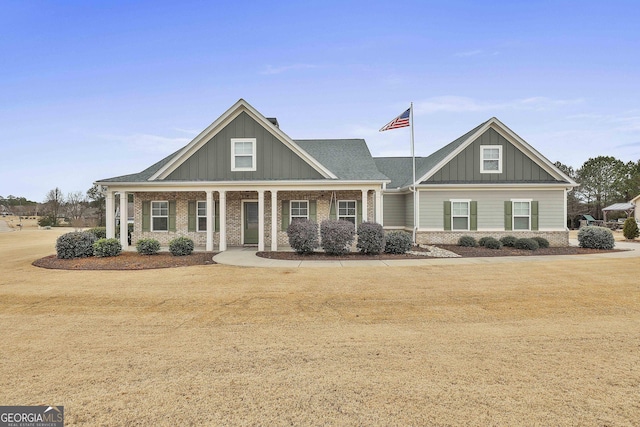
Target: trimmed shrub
[[468, 241], [77, 244], [99, 232], [303, 236], [107, 247], [526, 243], [483, 240], [596, 237], [181, 246], [148, 246], [397, 242], [509, 241], [541, 241], [47, 221], [337, 236], [370, 238], [492, 243], [630, 229]]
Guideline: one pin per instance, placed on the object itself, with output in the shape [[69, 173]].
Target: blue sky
[[91, 90]]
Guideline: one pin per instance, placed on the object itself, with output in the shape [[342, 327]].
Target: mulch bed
[[127, 261]]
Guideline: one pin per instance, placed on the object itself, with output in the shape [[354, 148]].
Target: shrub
[[337, 236], [148, 246], [468, 241], [99, 232], [492, 243], [630, 229], [107, 247], [77, 244], [526, 243], [596, 238], [483, 240], [397, 242], [47, 221], [370, 238], [303, 236], [181, 246], [509, 241], [541, 241]]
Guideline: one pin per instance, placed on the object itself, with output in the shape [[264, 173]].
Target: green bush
[[77, 244], [492, 243], [303, 236], [336, 236], [370, 238], [107, 247], [47, 221], [630, 229], [467, 241], [526, 243], [148, 246], [181, 246], [483, 240], [542, 242], [397, 242], [593, 237], [99, 232], [509, 241]]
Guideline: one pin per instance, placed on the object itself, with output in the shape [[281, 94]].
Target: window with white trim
[[347, 210], [521, 214], [201, 215], [298, 209], [243, 154], [460, 214], [491, 159], [160, 216]]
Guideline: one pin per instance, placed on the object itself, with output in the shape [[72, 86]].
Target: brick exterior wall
[[555, 238]]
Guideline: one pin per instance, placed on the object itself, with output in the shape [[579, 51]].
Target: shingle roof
[[144, 175]]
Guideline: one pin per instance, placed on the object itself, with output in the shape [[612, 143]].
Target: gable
[[517, 167], [274, 159]]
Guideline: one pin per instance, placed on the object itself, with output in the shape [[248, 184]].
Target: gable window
[[299, 210], [243, 154], [460, 214], [521, 214], [159, 216], [491, 159], [201, 215], [347, 210]]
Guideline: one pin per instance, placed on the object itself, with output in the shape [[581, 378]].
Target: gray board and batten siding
[[274, 161], [516, 166], [394, 210]]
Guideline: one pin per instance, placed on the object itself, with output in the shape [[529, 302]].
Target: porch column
[[124, 219], [379, 219], [223, 221], [210, 223], [110, 215], [274, 220], [365, 207], [260, 220]]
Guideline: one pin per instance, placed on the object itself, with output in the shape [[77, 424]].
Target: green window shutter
[[285, 215], [358, 212], [447, 215], [473, 215], [146, 216], [216, 216], [508, 217], [172, 215], [313, 211], [332, 210], [192, 215], [534, 215]]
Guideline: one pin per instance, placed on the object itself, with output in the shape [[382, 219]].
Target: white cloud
[[148, 143], [475, 52], [458, 104], [270, 70]]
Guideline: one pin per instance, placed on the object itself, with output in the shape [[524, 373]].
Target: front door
[[250, 223]]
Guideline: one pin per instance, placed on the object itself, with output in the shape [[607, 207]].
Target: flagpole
[[413, 161]]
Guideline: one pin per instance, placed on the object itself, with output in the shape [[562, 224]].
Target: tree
[[75, 205], [575, 207], [602, 180], [53, 204], [97, 201]]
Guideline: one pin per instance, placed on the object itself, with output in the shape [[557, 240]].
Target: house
[[242, 180], [635, 202]]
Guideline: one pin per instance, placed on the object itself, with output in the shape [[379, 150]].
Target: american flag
[[402, 121]]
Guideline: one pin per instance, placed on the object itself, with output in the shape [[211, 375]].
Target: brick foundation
[[555, 238]]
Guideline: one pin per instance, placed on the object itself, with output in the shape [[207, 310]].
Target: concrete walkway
[[246, 257], [4, 226]]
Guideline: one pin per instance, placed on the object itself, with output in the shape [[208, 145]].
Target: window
[[460, 215], [299, 210], [243, 154], [521, 215], [201, 215], [347, 210], [159, 216], [491, 159]]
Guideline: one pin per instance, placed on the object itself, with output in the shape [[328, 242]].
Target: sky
[[93, 90]]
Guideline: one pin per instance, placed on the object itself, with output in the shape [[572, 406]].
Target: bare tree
[[53, 202], [76, 204]]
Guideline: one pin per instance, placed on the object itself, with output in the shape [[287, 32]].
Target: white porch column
[[365, 205], [124, 219], [223, 221], [379, 210], [110, 215], [261, 220], [210, 223], [274, 220]]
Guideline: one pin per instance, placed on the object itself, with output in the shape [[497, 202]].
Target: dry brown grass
[[553, 343]]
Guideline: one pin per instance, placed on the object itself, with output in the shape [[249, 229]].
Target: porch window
[[460, 215], [160, 216], [522, 215], [347, 210], [299, 210], [201, 215], [491, 159], [243, 154]]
